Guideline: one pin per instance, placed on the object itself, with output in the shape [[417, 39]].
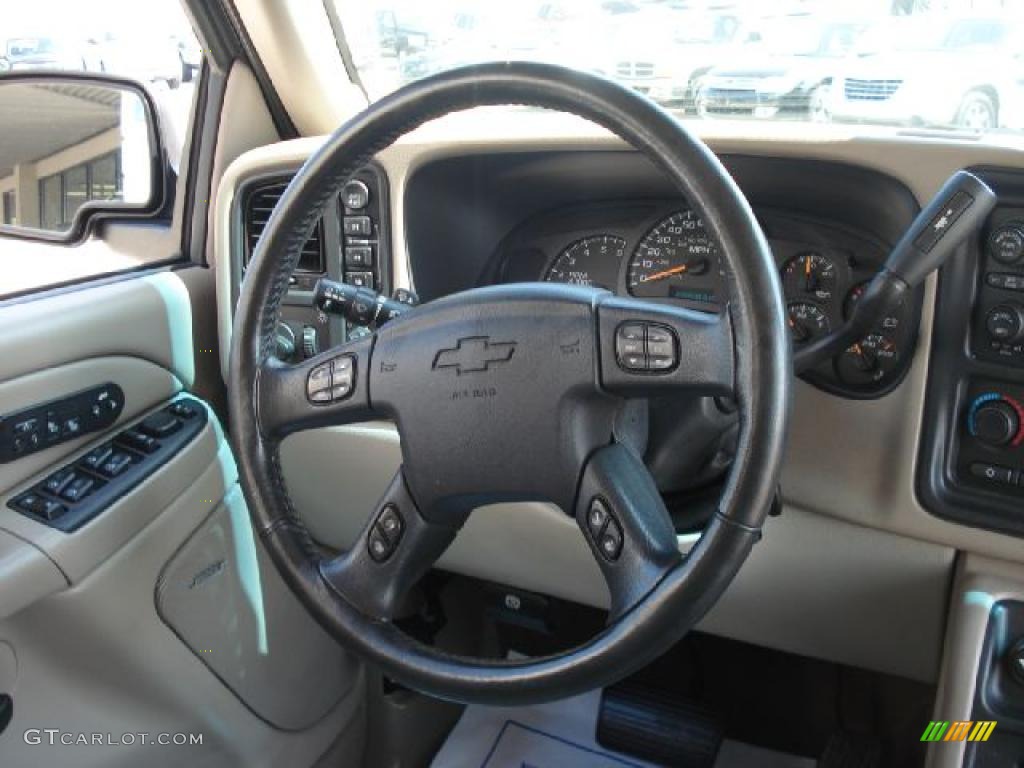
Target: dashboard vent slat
[[259, 205]]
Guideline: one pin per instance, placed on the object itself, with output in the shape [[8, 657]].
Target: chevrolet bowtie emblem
[[474, 354]]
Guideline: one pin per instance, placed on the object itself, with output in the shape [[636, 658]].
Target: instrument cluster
[[661, 251]]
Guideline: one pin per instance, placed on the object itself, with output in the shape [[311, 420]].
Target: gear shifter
[[960, 208]]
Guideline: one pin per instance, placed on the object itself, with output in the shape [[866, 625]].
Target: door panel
[[84, 646]]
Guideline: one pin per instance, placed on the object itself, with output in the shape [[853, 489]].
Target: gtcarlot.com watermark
[[55, 736]]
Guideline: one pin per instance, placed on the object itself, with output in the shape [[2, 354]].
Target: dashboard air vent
[[259, 204]]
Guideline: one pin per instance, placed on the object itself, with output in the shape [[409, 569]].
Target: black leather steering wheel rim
[[761, 376]]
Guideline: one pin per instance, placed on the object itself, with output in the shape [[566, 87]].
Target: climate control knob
[[1005, 322], [995, 420]]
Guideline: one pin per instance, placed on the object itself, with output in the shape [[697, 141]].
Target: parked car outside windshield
[[957, 65], [960, 72]]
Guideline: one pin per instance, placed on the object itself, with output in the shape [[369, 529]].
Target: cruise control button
[[660, 363], [390, 523], [597, 517], [610, 542]]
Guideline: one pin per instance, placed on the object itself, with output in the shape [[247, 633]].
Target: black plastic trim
[[953, 369]]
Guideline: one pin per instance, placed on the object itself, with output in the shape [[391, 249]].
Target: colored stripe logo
[[958, 730]]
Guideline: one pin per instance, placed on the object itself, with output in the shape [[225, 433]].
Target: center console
[[350, 243], [971, 467]]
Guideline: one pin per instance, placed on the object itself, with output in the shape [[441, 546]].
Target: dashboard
[[659, 250]]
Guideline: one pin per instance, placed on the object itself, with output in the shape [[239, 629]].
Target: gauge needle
[[809, 281], [667, 273]]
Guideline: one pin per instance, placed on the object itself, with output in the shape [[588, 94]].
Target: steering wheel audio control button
[[385, 534]]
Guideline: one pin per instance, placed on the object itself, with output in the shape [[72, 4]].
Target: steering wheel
[[510, 393]]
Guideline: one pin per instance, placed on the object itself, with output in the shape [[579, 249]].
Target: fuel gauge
[[810, 274]]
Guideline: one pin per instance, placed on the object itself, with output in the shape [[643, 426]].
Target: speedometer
[[591, 261], [676, 260]]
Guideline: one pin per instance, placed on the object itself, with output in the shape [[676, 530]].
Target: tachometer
[[591, 261], [676, 260]]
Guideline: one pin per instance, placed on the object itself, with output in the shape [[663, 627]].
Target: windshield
[[895, 63]]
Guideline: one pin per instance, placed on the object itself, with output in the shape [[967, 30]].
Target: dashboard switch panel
[[43, 426], [77, 492]]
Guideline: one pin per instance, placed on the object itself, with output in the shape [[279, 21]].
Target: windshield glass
[[897, 63]]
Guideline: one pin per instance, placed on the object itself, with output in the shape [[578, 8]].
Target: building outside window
[[10, 201], [62, 194]]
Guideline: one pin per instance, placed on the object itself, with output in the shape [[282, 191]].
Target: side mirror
[[75, 147]]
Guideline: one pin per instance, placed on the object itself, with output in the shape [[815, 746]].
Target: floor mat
[[561, 735]]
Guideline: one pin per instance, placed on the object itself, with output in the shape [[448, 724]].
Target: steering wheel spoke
[[327, 390], [654, 349], [627, 526], [393, 551]]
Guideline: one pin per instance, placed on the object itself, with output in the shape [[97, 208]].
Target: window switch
[[78, 488], [133, 438], [40, 506], [95, 458], [116, 464], [56, 482], [160, 424]]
